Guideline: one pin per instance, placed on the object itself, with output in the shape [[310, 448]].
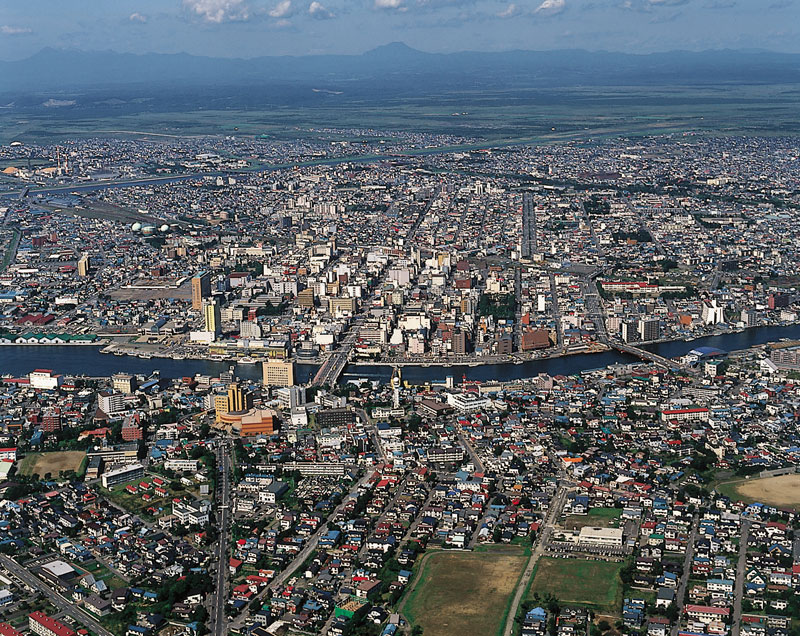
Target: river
[[76, 360]]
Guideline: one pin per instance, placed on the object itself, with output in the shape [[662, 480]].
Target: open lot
[[782, 491], [53, 463], [592, 584], [464, 593]]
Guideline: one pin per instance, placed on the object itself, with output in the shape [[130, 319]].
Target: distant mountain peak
[[394, 48]]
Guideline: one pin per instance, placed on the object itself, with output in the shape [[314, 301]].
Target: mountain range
[[397, 65]]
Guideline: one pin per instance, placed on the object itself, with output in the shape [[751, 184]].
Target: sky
[[251, 28]]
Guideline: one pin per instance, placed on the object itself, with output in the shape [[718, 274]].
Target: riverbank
[[21, 359]]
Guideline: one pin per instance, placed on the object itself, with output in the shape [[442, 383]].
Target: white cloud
[[12, 30], [390, 4], [317, 10], [218, 11], [137, 17], [509, 11], [281, 10], [551, 7]]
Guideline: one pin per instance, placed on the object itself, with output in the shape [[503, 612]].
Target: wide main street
[[223, 521]]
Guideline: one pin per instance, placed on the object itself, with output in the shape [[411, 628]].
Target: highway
[[221, 575], [69, 608]]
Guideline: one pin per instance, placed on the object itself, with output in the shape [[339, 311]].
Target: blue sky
[[248, 28]]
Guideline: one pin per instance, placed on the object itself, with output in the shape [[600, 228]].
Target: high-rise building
[[212, 316], [776, 301], [238, 398], [749, 317], [278, 372], [649, 329], [305, 298], [83, 266], [201, 289], [459, 342], [629, 331]]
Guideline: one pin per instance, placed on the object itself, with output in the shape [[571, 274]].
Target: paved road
[[471, 451], [221, 576], [740, 570], [553, 512], [687, 569], [69, 608], [373, 433], [301, 556]]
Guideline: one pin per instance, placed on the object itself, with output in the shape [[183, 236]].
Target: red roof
[[7, 630], [706, 609], [58, 628]]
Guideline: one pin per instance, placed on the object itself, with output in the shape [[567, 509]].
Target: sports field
[[782, 491], [52, 463], [592, 584], [597, 517], [464, 593]]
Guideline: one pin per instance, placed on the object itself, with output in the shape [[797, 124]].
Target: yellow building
[[83, 266], [341, 305], [212, 316], [238, 398], [235, 402], [278, 373]]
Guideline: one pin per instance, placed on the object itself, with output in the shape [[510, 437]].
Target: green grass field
[[597, 517], [592, 584], [464, 593], [135, 503]]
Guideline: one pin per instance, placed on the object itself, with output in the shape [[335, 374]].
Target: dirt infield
[[53, 463], [783, 491]]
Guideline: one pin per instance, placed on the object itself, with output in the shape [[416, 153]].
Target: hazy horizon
[[256, 28]]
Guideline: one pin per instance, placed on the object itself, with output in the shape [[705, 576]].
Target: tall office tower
[[201, 289]]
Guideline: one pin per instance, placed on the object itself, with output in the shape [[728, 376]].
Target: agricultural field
[[782, 491], [592, 584], [51, 463], [526, 115], [597, 518], [464, 593]]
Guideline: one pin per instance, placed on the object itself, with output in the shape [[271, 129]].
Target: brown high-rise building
[[201, 289], [459, 342]]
